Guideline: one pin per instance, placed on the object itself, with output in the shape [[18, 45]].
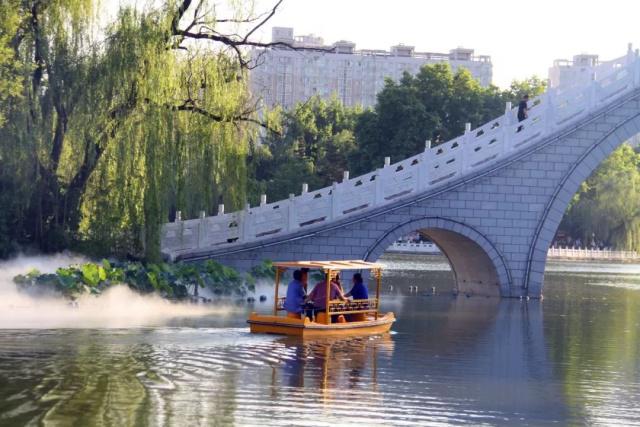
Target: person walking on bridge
[[523, 110]]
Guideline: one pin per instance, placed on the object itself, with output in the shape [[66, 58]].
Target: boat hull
[[267, 324]]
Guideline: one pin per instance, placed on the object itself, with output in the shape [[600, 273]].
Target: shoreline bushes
[[176, 281]]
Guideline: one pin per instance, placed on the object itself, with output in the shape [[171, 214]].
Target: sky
[[522, 37]]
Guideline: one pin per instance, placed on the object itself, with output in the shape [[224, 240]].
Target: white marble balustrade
[[436, 167]]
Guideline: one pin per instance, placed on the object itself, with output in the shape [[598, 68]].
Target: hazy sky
[[522, 37]]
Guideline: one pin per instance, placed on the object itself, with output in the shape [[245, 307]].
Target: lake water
[[573, 358]]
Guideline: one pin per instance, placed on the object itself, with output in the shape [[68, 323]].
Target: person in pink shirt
[[318, 295]]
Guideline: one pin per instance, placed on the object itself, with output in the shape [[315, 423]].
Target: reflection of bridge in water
[[491, 199]]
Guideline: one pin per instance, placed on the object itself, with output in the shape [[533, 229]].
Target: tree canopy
[[433, 105], [103, 137], [314, 148], [607, 206]]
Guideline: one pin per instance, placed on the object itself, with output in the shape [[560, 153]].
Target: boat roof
[[330, 265]]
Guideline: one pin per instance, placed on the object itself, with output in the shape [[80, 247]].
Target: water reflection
[[333, 363], [572, 359]]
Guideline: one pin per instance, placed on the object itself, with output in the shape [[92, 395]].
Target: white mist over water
[[118, 307]]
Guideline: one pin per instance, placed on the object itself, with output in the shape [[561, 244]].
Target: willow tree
[[607, 206], [108, 135]]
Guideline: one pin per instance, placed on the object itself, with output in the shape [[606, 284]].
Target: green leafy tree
[[607, 206], [533, 86], [10, 68], [433, 105], [103, 139], [314, 148]]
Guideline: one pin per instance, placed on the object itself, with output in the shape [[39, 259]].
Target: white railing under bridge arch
[[436, 166]]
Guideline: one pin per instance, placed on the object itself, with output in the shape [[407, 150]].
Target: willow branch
[[233, 41], [242, 117]]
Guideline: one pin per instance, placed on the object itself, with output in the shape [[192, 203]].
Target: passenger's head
[[526, 96], [357, 278], [297, 275], [305, 274]]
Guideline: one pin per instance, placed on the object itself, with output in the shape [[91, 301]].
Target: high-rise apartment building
[[286, 76]]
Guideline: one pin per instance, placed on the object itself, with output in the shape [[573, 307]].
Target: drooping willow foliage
[[607, 207], [109, 135], [162, 159]]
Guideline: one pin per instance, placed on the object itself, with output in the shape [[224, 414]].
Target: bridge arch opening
[[477, 267], [626, 131]]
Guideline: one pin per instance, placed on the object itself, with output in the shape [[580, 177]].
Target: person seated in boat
[[359, 289], [336, 280], [318, 295], [296, 293]]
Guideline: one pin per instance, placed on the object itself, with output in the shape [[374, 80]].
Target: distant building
[[286, 77], [578, 71], [569, 73]]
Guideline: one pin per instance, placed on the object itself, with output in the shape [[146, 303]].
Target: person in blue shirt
[[359, 289], [296, 293]]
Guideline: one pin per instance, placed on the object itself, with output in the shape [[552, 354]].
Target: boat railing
[[353, 306], [343, 307]]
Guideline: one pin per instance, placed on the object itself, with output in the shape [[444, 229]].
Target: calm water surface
[[573, 358]]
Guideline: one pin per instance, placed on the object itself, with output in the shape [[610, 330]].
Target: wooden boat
[[353, 317]]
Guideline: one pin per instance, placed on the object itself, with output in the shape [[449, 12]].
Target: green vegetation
[[101, 140], [174, 281], [321, 139], [316, 143], [607, 206]]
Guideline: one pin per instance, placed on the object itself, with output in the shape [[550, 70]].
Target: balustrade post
[[593, 93], [202, 230], [305, 188], [507, 129], [335, 201], [549, 100], [423, 167], [221, 209], [345, 176], [379, 188], [466, 149], [381, 174], [245, 223], [178, 220], [636, 68], [263, 199], [293, 222]]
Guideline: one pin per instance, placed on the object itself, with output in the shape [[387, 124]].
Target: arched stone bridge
[[491, 199]]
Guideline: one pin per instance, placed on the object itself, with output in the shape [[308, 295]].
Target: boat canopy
[[330, 265]]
